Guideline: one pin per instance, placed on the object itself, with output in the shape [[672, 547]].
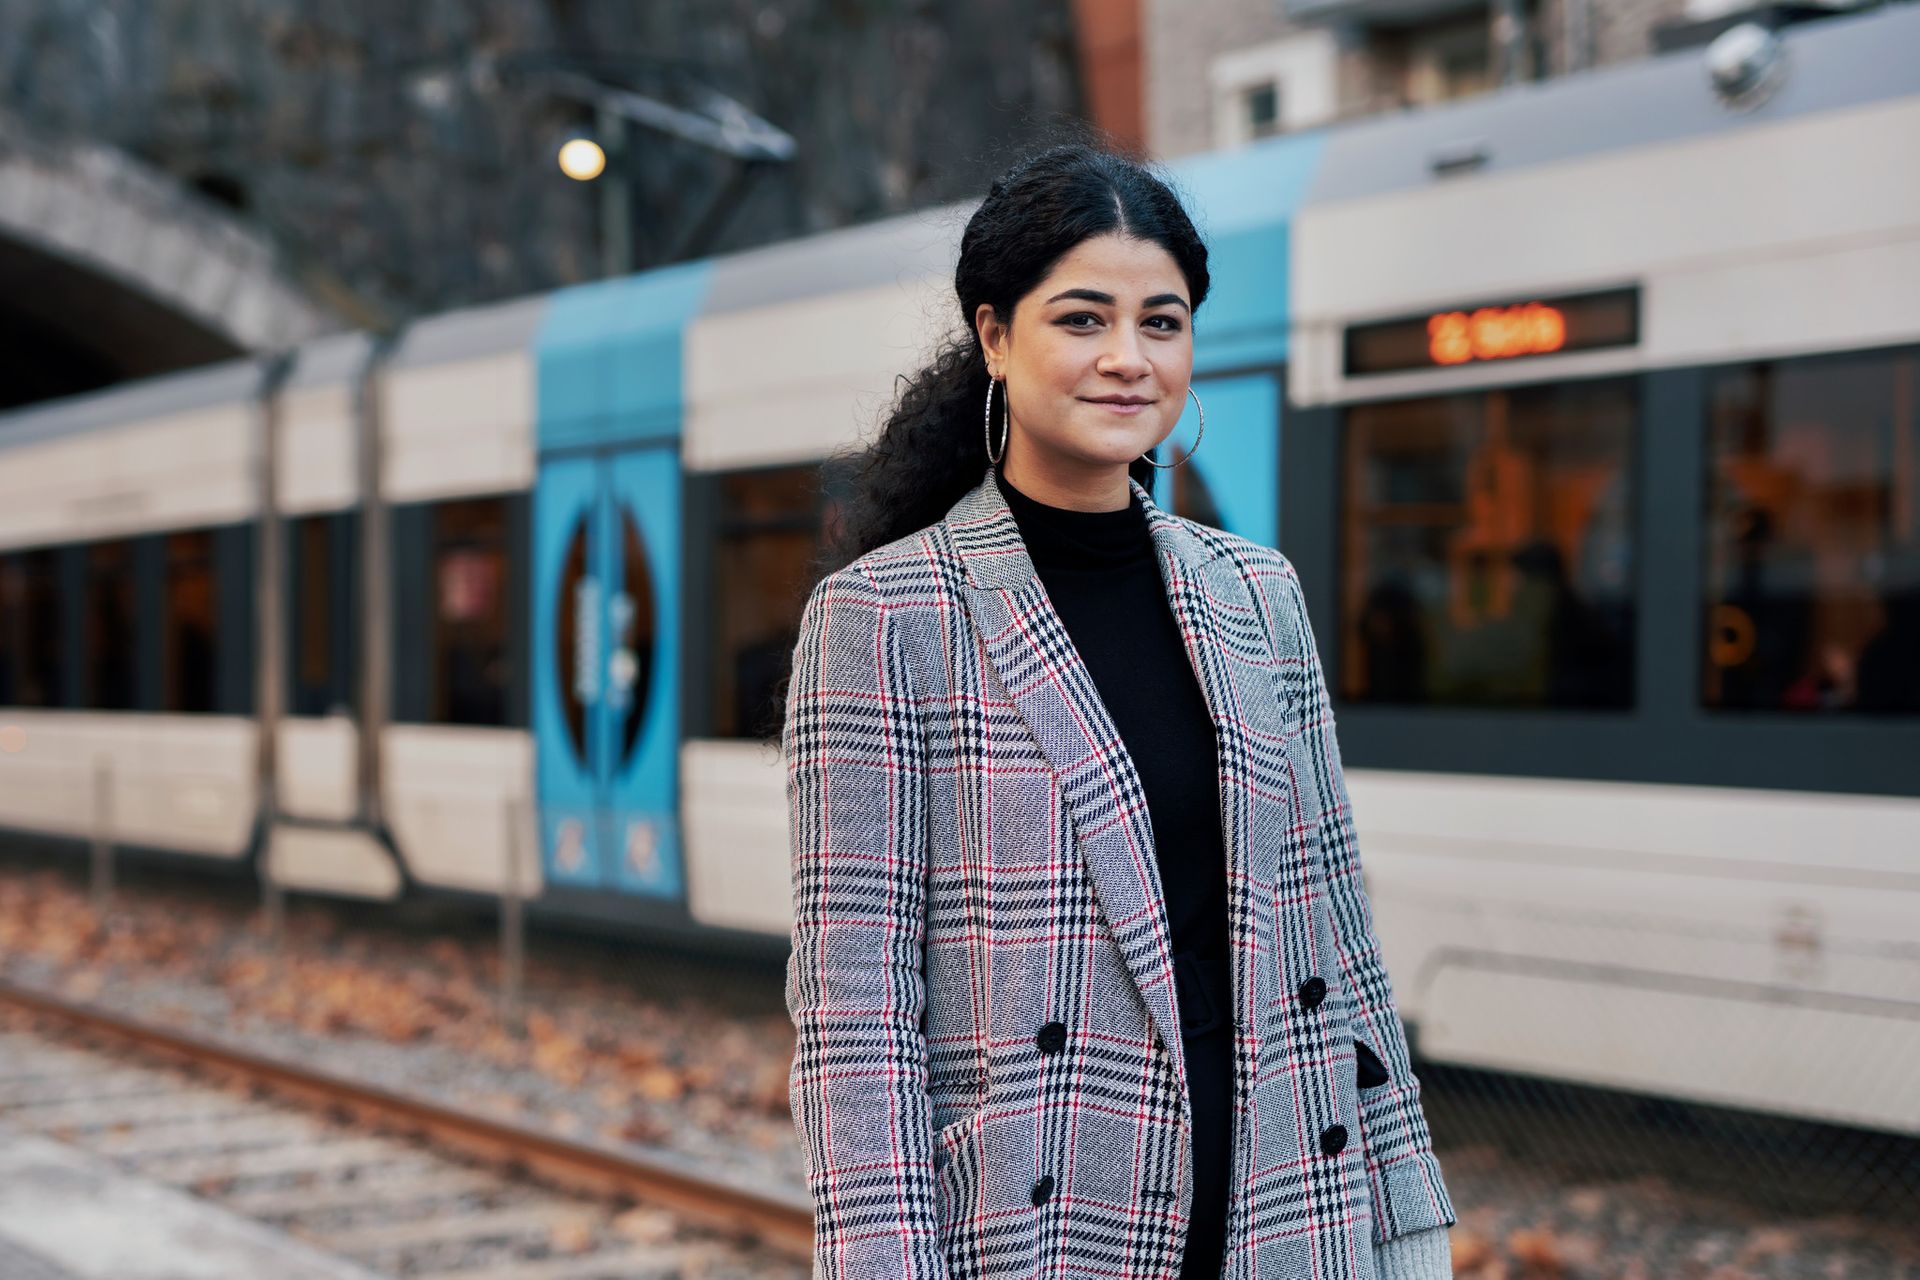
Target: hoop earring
[[1201, 431], [993, 457]]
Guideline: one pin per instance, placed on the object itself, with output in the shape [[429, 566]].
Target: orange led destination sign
[[1490, 332], [1496, 333]]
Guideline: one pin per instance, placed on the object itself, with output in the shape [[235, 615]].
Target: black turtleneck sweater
[[1103, 579]]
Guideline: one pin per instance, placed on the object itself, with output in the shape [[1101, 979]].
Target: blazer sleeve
[[856, 985], [1407, 1190]]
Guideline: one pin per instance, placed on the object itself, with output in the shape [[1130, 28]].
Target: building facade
[[1220, 73]]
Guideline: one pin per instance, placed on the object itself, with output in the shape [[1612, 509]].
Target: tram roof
[[1834, 63], [330, 361], [229, 383], [471, 333]]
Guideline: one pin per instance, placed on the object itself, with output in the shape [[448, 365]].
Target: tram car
[[1589, 413]]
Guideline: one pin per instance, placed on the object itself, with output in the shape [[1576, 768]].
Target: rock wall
[[403, 154]]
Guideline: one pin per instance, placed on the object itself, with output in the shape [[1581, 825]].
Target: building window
[[110, 643], [769, 532], [1463, 69], [1274, 86], [1813, 536], [1437, 62], [1488, 549], [322, 616], [189, 624], [1262, 104], [468, 680]]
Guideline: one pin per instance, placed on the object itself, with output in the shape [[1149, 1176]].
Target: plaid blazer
[[988, 1078]]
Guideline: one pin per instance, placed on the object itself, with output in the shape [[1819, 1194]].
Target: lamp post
[[591, 160], [700, 115], [616, 196], [715, 122]]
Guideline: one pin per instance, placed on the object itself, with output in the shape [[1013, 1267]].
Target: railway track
[[403, 1186]]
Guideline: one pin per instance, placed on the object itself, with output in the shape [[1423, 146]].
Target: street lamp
[[712, 120], [582, 159], [701, 116]]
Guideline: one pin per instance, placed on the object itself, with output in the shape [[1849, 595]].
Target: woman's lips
[[1120, 408]]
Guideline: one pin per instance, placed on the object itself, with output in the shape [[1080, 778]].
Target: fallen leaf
[[645, 1226], [661, 1084], [570, 1236], [1469, 1250], [643, 1129], [1537, 1250]]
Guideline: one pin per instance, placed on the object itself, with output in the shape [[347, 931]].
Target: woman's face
[[1096, 360]]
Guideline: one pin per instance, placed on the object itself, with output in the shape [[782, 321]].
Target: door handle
[[586, 640], [623, 666]]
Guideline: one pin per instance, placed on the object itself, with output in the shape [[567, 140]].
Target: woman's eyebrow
[[1106, 299]]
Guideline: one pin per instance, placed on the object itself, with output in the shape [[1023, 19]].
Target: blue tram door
[[1233, 480], [605, 655]]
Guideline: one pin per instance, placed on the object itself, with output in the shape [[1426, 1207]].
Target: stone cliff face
[[406, 151]]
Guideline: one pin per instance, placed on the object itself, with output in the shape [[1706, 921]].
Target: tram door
[[607, 554], [1233, 480]]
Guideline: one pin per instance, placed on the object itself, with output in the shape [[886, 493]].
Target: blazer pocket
[[955, 1102], [1368, 1070], [1290, 689]]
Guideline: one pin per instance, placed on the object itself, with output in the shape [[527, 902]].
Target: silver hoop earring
[[991, 455], [1201, 430]]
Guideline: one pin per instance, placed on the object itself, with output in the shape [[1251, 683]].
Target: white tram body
[[1645, 928], [172, 453], [502, 601]]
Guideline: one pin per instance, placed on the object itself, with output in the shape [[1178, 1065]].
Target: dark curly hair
[[931, 450]]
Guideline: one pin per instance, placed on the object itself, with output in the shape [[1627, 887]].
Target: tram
[[1589, 413]]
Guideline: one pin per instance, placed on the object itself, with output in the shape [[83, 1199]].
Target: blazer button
[[1041, 1191], [1334, 1140], [1312, 992], [1052, 1037]]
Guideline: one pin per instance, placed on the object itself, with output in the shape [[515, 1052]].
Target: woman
[[1083, 974]]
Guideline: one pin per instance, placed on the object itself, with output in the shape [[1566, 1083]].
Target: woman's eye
[[1086, 320]]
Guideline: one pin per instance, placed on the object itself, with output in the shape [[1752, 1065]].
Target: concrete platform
[[68, 1215]]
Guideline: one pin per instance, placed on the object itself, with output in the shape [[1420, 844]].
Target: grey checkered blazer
[[973, 864]]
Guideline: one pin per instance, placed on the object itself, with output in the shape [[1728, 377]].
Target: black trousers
[[1203, 986], [1210, 1082]]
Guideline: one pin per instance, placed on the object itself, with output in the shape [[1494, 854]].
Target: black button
[[1041, 1190], [1052, 1037], [1159, 1044], [1312, 992], [1334, 1140]]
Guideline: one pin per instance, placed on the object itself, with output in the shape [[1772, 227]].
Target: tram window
[[13, 621], [110, 642], [320, 623], [1488, 549], [469, 674], [32, 614], [1813, 536], [12, 602], [189, 626], [769, 527]]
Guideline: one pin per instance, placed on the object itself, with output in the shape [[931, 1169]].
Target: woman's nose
[[1124, 356]]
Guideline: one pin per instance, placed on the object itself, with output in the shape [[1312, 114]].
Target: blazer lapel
[[1235, 666], [1041, 670]]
